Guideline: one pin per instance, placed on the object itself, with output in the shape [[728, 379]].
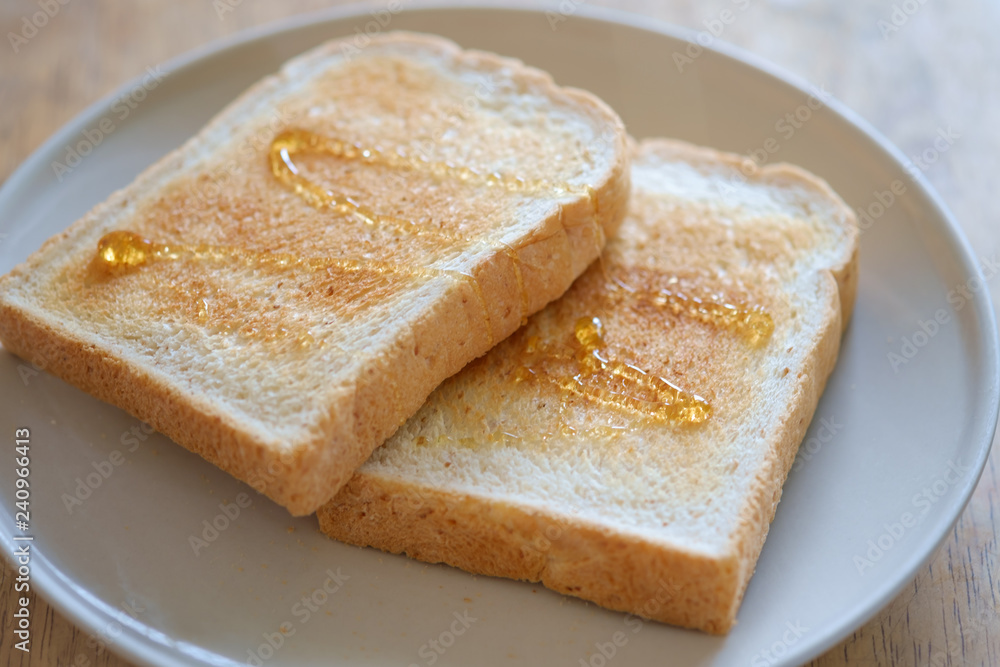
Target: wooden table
[[908, 70]]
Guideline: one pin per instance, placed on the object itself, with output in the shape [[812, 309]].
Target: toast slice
[[284, 290], [628, 446]]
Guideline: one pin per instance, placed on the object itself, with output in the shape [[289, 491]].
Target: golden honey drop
[[123, 250]]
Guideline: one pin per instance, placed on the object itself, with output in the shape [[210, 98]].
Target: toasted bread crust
[[302, 475], [617, 570], [612, 567]]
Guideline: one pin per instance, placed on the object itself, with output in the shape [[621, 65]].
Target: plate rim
[[141, 644]]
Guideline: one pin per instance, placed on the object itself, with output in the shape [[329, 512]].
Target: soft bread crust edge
[[302, 477], [616, 569]]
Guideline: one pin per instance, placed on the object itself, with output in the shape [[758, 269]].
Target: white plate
[[896, 431]]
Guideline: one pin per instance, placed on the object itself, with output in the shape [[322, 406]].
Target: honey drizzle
[[669, 403], [611, 382], [292, 142], [594, 359], [749, 321], [120, 251]]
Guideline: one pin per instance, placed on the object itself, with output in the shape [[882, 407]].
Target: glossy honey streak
[[123, 251], [641, 393], [753, 323], [292, 142], [610, 382], [614, 383]]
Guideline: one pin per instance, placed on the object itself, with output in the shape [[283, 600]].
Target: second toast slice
[[629, 445]]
